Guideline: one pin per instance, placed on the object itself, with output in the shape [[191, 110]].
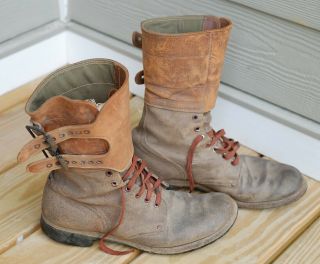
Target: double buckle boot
[[182, 60], [97, 188]]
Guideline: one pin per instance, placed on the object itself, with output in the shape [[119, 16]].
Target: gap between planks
[[305, 249]]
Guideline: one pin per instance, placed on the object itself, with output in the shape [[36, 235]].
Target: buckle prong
[[30, 129], [35, 130]]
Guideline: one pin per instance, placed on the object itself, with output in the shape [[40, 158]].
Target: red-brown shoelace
[[148, 182], [228, 150]]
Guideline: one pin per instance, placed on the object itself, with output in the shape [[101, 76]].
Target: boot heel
[[66, 237]]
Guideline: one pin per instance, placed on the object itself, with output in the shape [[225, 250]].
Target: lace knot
[[227, 148]]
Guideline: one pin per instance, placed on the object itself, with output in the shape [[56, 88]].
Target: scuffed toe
[[205, 218], [268, 184], [293, 184]]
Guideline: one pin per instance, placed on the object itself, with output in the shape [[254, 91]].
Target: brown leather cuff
[[183, 60]]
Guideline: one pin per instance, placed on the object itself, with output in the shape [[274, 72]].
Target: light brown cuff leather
[[87, 138], [182, 69]]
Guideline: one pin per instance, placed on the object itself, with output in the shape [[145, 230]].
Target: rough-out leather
[[182, 69], [163, 138], [182, 72], [90, 199]]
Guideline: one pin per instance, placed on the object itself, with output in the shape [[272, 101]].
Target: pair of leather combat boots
[[99, 186]]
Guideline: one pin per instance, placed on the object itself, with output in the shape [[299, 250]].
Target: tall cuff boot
[[97, 189], [182, 59]]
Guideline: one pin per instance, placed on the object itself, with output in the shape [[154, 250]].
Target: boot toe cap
[[291, 183], [208, 217], [267, 184]]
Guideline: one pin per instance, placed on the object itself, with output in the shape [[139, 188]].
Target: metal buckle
[[36, 130]]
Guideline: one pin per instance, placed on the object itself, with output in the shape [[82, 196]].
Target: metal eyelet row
[[196, 117], [138, 196]]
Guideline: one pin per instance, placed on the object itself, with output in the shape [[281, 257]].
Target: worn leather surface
[[182, 60], [78, 200], [86, 198], [87, 138], [163, 138]]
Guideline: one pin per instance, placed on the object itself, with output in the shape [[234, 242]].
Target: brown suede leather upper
[[118, 199], [98, 139], [183, 59], [164, 137]]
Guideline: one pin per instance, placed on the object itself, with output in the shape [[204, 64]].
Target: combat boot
[[97, 189], [182, 60]]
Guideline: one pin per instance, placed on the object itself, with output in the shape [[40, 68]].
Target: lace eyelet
[[137, 196], [109, 173], [114, 184], [127, 189], [156, 205], [196, 129], [146, 201], [195, 117]]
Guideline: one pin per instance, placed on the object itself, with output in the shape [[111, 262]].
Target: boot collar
[[109, 129]]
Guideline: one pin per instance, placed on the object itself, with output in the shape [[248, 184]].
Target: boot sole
[[76, 239], [273, 204], [66, 237], [250, 205]]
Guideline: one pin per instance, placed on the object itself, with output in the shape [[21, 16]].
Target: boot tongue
[[98, 106]]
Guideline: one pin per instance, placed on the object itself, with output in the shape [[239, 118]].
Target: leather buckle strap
[[41, 142], [48, 140], [137, 39], [58, 161], [71, 161]]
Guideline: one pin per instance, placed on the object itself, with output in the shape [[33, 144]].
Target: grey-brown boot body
[[164, 138], [97, 189], [174, 135]]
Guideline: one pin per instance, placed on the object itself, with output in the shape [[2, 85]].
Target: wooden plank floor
[[286, 234], [306, 249]]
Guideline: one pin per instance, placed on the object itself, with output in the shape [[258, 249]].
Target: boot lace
[[148, 182], [228, 150]]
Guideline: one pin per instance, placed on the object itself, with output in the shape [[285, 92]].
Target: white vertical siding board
[[271, 58]]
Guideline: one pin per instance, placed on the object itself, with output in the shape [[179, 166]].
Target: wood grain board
[[16, 96], [257, 236], [20, 202], [268, 57], [306, 249], [38, 248], [13, 135]]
